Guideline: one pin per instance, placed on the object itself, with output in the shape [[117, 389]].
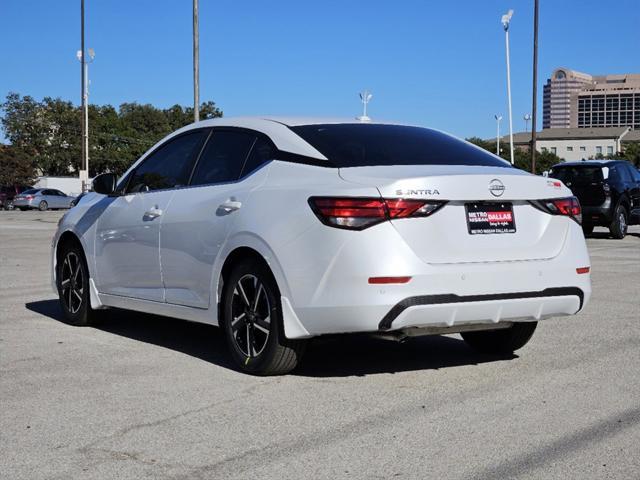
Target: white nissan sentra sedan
[[279, 230]]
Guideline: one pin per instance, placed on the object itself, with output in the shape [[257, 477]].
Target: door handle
[[230, 206], [152, 213]]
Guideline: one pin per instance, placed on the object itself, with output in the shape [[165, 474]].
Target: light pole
[[84, 73], [498, 119], [535, 86], [196, 63], [527, 117], [365, 97], [506, 18]]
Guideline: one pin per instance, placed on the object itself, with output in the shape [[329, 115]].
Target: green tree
[[15, 167], [632, 153], [49, 132]]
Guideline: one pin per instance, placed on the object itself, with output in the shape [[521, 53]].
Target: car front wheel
[[252, 322], [502, 341], [72, 279]]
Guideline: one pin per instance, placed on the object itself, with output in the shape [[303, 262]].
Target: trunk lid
[[444, 237]]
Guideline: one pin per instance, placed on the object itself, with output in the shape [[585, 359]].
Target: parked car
[[279, 230], [608, 190], [8, 193], [42, 199]]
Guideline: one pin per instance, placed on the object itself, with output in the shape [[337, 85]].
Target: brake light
[[360, 213], [569, 207], [582, 270], [28, 197]]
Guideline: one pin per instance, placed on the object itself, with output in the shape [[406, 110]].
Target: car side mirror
[[105, 183]]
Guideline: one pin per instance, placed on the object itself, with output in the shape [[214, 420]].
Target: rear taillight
[[359, 213], [28, 197], [569, 207]]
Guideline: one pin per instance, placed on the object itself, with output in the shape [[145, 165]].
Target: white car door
[[128, 231], [200, 217]]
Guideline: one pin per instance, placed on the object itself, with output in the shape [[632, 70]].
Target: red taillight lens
[[569, 207], [360, 213], [28, 197]]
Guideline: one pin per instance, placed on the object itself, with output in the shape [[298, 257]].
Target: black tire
[[72, 281], [502, 341], [619, 223], [587, 229], [23, 209], [43, 205], [258, 353]]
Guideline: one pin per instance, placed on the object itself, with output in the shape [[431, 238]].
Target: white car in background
[[279, 230]]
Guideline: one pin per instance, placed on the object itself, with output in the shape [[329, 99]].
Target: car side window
[[262, 151], [169, 166], [223, 157]]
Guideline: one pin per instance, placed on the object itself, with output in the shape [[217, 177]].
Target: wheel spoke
[[243, 294], [237, 319], [64, 283], [257, 299], [264, 323], [248, 339], [75, 292], [261, 328]]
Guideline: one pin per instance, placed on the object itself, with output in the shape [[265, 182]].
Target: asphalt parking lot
[[147, 397]]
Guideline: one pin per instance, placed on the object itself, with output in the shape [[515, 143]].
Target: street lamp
[[84, 170], [527, 117], [365, 97], [498, 119], [506, 18]]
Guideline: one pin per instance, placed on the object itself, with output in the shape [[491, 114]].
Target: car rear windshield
[[578, 174], [30, 192], [360, 145]]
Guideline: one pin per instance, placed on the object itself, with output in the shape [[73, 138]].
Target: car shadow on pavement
[[332, 356]]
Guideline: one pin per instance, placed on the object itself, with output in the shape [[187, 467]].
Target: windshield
[[578, 175], [30, 192], [360, 145]]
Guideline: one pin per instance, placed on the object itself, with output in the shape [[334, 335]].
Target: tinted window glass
[[169, 166], [31, 192], [578, 175], [223, 157], [263, 151], [357, 145], [635, 173]]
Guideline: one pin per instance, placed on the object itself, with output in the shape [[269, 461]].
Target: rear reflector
[[358, 213], [387, 280], [582, 270]]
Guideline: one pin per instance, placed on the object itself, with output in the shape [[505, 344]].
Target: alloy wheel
[[250, 316], [623, 222], [72, 282]]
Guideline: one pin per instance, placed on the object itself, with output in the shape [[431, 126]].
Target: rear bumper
[[339, 299], [23, 203], [601, 215]]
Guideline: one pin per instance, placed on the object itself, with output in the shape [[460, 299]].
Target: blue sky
[[439, 64]]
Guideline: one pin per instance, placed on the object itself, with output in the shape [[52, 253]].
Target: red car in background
[[7, 195]]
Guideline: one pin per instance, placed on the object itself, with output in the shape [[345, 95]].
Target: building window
[[609, 150], [583, 149], [553, 150], [569, 149], [544, 150], [599, 150]]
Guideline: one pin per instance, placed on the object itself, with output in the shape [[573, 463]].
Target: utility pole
[[196, 64], [84, 167], [498, 118], [505, 23], [535, 87]]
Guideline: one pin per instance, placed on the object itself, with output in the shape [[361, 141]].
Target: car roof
[[588, 163]]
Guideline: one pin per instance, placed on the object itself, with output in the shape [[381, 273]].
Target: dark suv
[[7, 195], [608, 190]]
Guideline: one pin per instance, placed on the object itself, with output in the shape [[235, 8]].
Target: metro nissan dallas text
[[278, 230]]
